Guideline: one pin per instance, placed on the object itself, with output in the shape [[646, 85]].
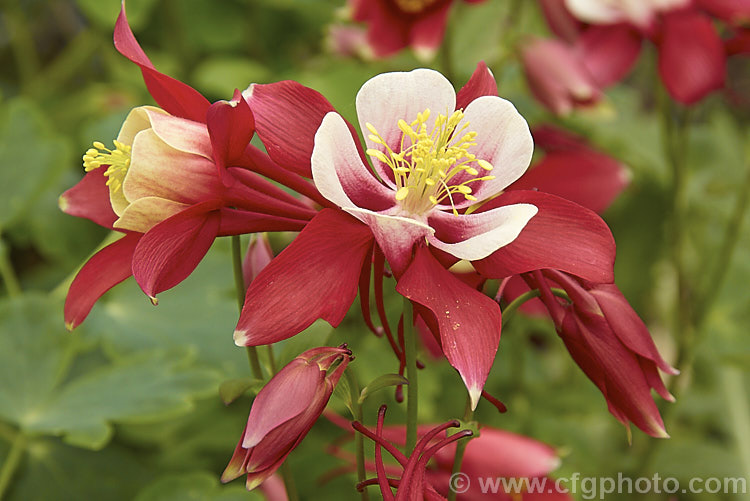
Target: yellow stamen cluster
[[414, 6], [117, 162], [427, 161]]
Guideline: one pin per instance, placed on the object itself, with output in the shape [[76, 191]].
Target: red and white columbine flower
[[433, 163], [432, 160], [608, 34], [389, 214]]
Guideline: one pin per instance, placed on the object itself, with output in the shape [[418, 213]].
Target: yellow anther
[[428, 159], [117, 162], [484, 164], [377, 154]]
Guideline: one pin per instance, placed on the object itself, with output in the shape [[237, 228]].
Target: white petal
[[179, 133], [476, 236], [503, 139], [338, 171], [596, 11], [387, 98], [158, 169], [146, 212]]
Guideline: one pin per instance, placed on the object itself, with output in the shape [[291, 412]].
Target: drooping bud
[[284, 411]]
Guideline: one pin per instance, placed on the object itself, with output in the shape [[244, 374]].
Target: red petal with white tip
[[469, 321]]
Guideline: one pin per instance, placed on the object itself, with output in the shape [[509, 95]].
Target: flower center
[[428, 162], [117, 162], [414, 6]]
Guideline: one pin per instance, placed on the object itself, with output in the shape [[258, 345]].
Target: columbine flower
[[609, 35], [611, 344], [284, 411], [419, 213], [412, 482], [395, 24], [499, 453], [175, 178], [492, 453], [433, 165]]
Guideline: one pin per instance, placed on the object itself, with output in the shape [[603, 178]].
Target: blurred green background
[[127, 407]]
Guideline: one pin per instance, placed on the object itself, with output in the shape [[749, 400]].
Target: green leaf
[[145, 388], [38, 394], [52, 470], [379, 383], [198, 316], [195, 486], [35, 351], [31, 157]]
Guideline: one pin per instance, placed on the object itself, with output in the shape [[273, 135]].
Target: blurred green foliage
[[127, 406]]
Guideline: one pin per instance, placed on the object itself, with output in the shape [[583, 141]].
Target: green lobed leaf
[[52, 470], [35, 351], [148, 387], [198, 316], [31, 158]]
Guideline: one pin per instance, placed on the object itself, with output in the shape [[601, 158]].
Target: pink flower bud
[[258, 255], [557, 76], [284, 411], [611, 344]]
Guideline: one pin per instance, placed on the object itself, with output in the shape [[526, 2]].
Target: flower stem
[[739, 412], [289, 485], [727, 248], [12, 462], [12, 286], [239, 283], [359, 444], [410, 352], [675, 137], [458, 459], [510, 310], [508, 35]]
